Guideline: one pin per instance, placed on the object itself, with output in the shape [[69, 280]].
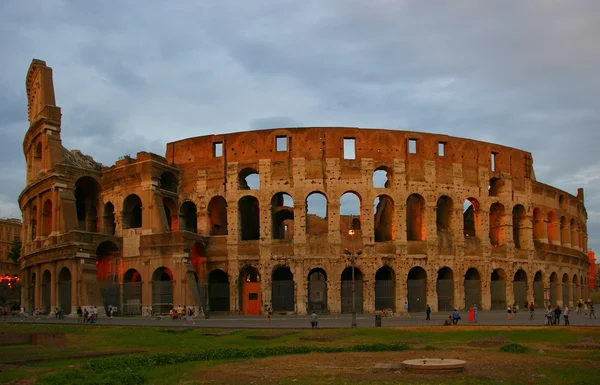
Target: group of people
[[184, 312], [90, 315]]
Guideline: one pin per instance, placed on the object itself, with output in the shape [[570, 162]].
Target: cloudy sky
[[134, 75]]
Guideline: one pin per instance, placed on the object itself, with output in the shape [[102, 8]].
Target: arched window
[[384, 221], [350, 212], [282, 212], [415, 218], [132, 212], [188, 217], [217, 216], [248, 179], [168, 182], [497, 236], [249, 218], [382, 178], [316, 214]]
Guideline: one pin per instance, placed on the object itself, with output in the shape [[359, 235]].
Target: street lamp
[[10, 280], [352, 255]]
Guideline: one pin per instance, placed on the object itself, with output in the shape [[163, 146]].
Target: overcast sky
[[133, 75]]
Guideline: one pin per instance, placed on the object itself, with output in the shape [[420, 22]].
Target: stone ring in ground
[[434, 365]]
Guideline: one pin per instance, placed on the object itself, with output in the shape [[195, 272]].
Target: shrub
[[514, 348]]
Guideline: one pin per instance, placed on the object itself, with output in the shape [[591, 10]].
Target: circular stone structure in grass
[[434, 365]]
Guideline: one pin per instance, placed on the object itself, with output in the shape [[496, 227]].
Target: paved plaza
[[485, 318]]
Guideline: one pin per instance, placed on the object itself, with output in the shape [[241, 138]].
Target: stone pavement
[[485, 318]]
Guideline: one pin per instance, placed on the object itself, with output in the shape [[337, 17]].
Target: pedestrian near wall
[[428, 313], [566, 312]]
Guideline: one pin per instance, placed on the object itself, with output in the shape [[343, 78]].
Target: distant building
[[10, 231]]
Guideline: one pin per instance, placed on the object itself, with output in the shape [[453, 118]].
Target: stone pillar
[[368, 290], [55, 213], [39, 225], [233, 272], [333, 225], [300, 288], [432, 298], [459, 293], [486, 290], [53, 287], [401, 289], [559, 294], [510, 292]]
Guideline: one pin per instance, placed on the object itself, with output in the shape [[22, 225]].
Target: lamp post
[[352, 254]]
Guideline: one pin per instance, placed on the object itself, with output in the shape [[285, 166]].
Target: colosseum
[[235, 223]]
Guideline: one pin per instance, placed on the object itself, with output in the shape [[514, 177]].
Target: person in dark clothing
[[557, 313], [455, 317], [428, 312]]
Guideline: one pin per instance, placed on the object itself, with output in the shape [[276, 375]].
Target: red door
[[251, 298]]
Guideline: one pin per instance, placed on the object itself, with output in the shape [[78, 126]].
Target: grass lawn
[[331, 356]]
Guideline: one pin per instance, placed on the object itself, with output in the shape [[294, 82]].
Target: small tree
[[15, 251]]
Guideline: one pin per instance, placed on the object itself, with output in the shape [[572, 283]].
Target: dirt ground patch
[[357, 367]]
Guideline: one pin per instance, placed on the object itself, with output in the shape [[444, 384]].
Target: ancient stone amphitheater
[[239, 222]]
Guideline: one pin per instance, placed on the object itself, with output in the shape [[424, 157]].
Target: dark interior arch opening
[[87, 198], [317, 291], [417, 289], [347, 283], [132, 212], [249, 218], [385, 289]]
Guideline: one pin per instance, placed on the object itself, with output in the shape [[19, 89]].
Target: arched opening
[[316, 214], [417, 289], [282, 292], [218, 291], [249, 218], [350, 214], [217, 216], [382, 177], [385, 289], [520, 288], [168, 182], [519, 228], [498, 289], [565, 289], [188, 217], [46, 286], [564, 231], [132, 212], [317, 291], [496, 187], [347, 290], [33, 222], [538, 224], [282, 216], [472, 288], [552, 299], [107, 260], [538, 290], [250, 294], [47, 218], [132, 292], [170, 214], [384, 221], [553, 228], [248, 179], [162, 290], [443, 212], [497, 236], [36, 166], [108, 219], [415, 219], [445, 289], [87, 193], [64, 290]]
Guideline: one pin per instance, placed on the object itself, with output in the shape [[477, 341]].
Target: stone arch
[[162, 290], [46, 287], [538, 290], [248, 218], [497, 236], [472, 284], [415, 218], [107, 259], [168, 182], [382, 177], [520, 288], [498, 289], [385, 288], [64, 290], [47, 220], [217, 216], [553, 295], [444, 212], [564, 231], [317, 290], [171, 214], [574, 233], [519, 217], [188, 217], [496, 187], [87, 198], [282, 289], [384, 222], [282, 216], [132, 212], [316, 213], [445, 289], [471, 217], [538, 224], [553, 228], [248, 179], [565, 289], [218, 290], [350, 213], [250, 292], [132, 292], [108, 219], [346, 290], [416, 284]]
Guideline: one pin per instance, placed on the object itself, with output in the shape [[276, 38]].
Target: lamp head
[[351, 232]]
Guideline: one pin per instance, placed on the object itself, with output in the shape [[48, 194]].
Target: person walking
[[110, 314], [475, 311], [471, 314], [314, 320], [531, 310], [455, 317], [566, 316], [269, 314], [557, 312], [591, 306], [428, 313]]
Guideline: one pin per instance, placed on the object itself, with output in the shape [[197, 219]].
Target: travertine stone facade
[[242, 221]]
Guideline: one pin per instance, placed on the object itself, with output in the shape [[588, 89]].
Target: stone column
[[486, 292]]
